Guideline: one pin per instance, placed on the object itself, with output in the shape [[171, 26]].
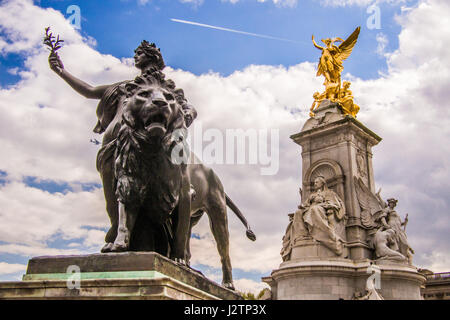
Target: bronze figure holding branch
[[154, 192]]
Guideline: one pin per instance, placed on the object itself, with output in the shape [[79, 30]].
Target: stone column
[[339, 147]]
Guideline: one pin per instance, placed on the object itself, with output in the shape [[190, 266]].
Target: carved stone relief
[[361, 163]]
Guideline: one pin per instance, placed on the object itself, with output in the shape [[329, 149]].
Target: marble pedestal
[[311, 249], [333, 279], [129, 275]]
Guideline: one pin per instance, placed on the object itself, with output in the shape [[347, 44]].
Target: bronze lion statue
[[152, 199], [154, 189]]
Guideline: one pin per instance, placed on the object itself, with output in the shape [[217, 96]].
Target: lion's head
[[150, 116], [153, 108]]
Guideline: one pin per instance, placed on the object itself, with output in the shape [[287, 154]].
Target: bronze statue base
[[128, 275]]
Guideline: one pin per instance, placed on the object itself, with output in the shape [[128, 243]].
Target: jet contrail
[[235, 31]]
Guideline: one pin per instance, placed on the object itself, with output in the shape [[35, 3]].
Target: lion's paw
[[119, 247], [229, 285], [107, 247], [180, 261]]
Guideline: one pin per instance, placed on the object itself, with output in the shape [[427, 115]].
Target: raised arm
[[315, 44], [78, 85]]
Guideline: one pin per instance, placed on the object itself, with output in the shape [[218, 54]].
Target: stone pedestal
[[130, 275], [333, 279], [311, 249]]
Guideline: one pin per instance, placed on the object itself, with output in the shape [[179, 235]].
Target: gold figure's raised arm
[[346, 47], [315, 44]]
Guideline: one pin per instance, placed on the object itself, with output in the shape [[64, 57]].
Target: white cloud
[[33, 251], [282, 3], [9, 268], [31, 216], [410, 115], [382, 41], [437, 261], [293, 3], [326, 3], [194, 2], [247, 285], [39, 136], [26, 36], [343, 3], [361, 3]]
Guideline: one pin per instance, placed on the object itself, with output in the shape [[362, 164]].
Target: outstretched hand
[[405, 222], [55, 63]]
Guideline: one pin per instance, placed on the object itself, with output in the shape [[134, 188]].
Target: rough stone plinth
[[129, 275]]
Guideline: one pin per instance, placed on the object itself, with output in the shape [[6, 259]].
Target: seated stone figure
[[321, 217]]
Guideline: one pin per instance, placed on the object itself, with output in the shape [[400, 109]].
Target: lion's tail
[[241, 217]]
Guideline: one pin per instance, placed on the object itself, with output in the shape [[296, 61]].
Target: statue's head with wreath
[[147, 54]]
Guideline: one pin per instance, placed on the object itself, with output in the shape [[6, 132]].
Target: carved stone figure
[[371, 292], [288, 238], [321, 217], [153, 197], [360, 163], [391, 221], [390, 236], [384, 240]]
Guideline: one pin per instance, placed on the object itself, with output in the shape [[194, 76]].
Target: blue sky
[[50, 164], [120, 25]]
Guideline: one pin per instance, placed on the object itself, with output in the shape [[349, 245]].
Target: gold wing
[[346, 47]]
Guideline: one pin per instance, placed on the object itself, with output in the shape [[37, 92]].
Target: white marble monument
[[344, 241]]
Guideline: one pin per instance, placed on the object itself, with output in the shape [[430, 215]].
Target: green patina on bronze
[[96, 275]]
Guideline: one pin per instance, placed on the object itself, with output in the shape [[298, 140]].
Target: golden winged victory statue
[[330, 66]]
